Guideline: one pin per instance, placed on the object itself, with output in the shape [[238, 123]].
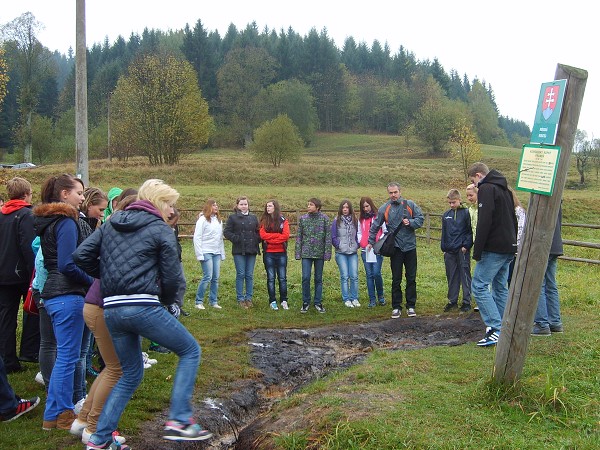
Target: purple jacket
[[94, 295]]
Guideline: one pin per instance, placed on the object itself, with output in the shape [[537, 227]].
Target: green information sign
[[547, 115], [537, 169]]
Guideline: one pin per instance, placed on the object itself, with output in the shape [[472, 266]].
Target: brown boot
[[65, 419], [48, 425]]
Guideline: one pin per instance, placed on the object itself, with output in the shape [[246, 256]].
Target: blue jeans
[[307, 264], [374, 278], [491, 271], [244, 274], [8, 399], [79, 389], [276, 266], [348, 265], [548, 309], [47, 356], [211, 270], [126, 324], [66, 313]]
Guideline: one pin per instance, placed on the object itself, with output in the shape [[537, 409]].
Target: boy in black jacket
[[456, 243], [495, 247]]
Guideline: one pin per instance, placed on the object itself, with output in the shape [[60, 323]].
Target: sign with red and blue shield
[[547, 116]]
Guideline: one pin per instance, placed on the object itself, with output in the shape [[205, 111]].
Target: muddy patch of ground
[[290, 358]]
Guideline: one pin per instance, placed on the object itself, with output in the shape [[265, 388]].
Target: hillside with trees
[[246, 78]]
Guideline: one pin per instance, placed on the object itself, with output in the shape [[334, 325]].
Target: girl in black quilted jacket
[[134, 254]]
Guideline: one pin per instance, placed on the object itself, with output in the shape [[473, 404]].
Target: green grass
[[430, 398]]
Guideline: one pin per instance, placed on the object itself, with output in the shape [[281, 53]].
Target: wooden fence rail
[[429, 232]]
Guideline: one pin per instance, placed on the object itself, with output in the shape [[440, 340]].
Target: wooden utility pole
[[81, 111], [531, 263]]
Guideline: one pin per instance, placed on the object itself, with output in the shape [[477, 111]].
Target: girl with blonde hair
[[134, 255]]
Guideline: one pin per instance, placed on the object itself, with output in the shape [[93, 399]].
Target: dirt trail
[[290, 358]]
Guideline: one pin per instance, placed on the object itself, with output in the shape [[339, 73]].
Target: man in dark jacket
[[494, 248], [16, 267], [405, 217]]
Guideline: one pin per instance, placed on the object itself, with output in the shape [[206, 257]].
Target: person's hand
[[174, 310]]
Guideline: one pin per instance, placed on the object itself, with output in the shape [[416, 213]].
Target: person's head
[[242, 205], [345, 209], [126, 193], [314, 205], [271, 217], [94, 203], [174, 218], [211, 208], [272, 208], [125, 202], [472, 193], [18, 188], [113, 195], [516, 200], [160, 194], [477, 172], [63, 188], [394, 191], [453, 198], [367, 207]]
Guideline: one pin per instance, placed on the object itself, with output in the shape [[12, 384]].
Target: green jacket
[[313, 239]]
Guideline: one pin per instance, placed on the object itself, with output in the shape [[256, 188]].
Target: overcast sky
[[514, 45]]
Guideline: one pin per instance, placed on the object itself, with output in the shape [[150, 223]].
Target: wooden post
[[537, 237], [81, 108]]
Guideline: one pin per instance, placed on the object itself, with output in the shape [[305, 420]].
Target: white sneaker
[[200, 306], [79, 405], [349, 304], [216, 306], [356, 304], [148, 360], [395, 313], [147, 366], [77, 427], [85, 437], [284, 305], [411, 312], [39, 378]]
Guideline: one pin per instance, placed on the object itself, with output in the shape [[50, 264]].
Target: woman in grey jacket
[[344, 238]]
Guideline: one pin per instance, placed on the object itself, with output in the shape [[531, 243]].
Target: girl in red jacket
[[275, 232]]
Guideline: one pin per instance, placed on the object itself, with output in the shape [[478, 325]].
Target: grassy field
[[431, 398]]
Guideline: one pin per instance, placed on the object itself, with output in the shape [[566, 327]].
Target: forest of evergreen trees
[[358, 88]]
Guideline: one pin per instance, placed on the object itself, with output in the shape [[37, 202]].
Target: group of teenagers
[[120, 281], [110, 266], [316, 235]]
